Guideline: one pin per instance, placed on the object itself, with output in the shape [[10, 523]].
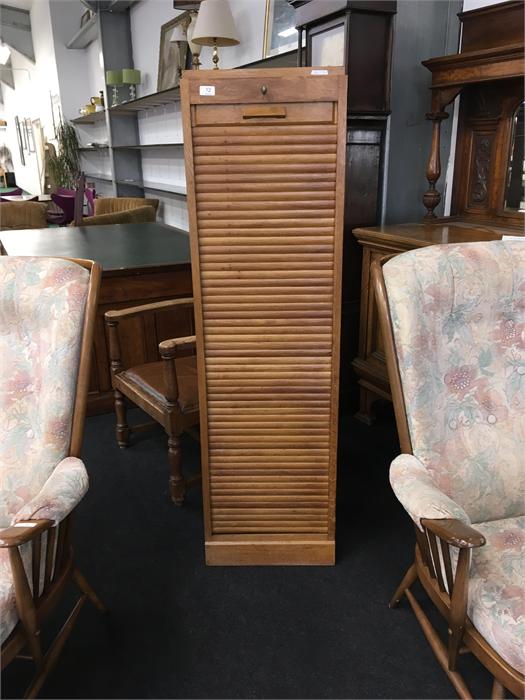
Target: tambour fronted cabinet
[[264, 152]]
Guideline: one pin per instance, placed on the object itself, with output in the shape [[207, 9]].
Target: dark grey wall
[[423, 29]]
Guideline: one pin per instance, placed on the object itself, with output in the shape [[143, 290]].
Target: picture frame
[[39, 146], [25, 139], [172, 55], [280, 34], [56, 113], [19, 139], [88, 14], [30, 135]]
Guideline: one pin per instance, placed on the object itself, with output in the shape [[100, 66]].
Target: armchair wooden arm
[[175, 347], [454, 532], [113, 318], [22, 532], [169, 351], [119, 314]]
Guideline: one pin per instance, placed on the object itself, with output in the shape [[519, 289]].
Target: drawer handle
[[264, 112]]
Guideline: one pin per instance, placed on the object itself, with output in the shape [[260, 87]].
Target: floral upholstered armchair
[[47, 312], [453, 321]]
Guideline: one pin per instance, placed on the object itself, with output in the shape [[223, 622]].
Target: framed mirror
[[515, 185], [488, 169]]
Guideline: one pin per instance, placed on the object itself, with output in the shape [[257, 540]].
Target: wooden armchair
[[22, 215], [114, 205], [138, 215], [47, 315], [166, 390], [453, 327]]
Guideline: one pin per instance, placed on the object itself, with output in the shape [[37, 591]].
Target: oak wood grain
[[265, 177]]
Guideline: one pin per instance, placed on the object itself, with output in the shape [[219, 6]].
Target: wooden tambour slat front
[[264, 153]]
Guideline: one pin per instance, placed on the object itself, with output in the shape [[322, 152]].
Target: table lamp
[[131, 77], [179, 38], [194, 48], [215, 27], [114, 80]]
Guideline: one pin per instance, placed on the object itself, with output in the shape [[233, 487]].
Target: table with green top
[[141, 263]]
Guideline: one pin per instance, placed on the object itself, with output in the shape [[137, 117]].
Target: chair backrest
[[66, 202], [90, 199], [22, 215], [13, 193], [454, 327], [108, 205], [141, 215], [47, 310], [10, 180], [79, 199]]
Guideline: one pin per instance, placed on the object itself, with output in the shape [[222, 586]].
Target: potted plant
[[64, 168]]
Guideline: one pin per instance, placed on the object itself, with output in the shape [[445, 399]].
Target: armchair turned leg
[[177, 482], [122, 429], [84, 587]]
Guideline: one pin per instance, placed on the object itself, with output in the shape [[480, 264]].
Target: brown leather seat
[[150, 378]]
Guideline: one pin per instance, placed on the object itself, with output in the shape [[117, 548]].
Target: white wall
[[95, 72], [476, 4], [72, 65], [31, 96]]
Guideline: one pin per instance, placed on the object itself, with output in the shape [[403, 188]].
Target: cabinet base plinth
[[300, 553]]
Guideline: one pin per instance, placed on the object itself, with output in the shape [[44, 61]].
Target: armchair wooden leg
[[122, 426], [53, 652], [498, 691], [177, 482], [26, 607], [408, 580], [85, 588]]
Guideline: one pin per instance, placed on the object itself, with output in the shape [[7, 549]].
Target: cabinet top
[[416, 234], [318, 10]]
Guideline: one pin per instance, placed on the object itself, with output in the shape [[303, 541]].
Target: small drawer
[[264, 90], [281, 113]]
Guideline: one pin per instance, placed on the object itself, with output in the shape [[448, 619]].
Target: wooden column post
[[432, 196], [440, 99]]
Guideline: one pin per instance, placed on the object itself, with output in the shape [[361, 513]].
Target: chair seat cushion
[[150, 378], [496, 605]]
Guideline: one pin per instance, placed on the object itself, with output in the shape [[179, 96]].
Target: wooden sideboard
[[378, 241]]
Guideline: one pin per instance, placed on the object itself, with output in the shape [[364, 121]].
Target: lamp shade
[[130, 76], [194, 48], [215, 25], [179, 33], [114, 77]]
